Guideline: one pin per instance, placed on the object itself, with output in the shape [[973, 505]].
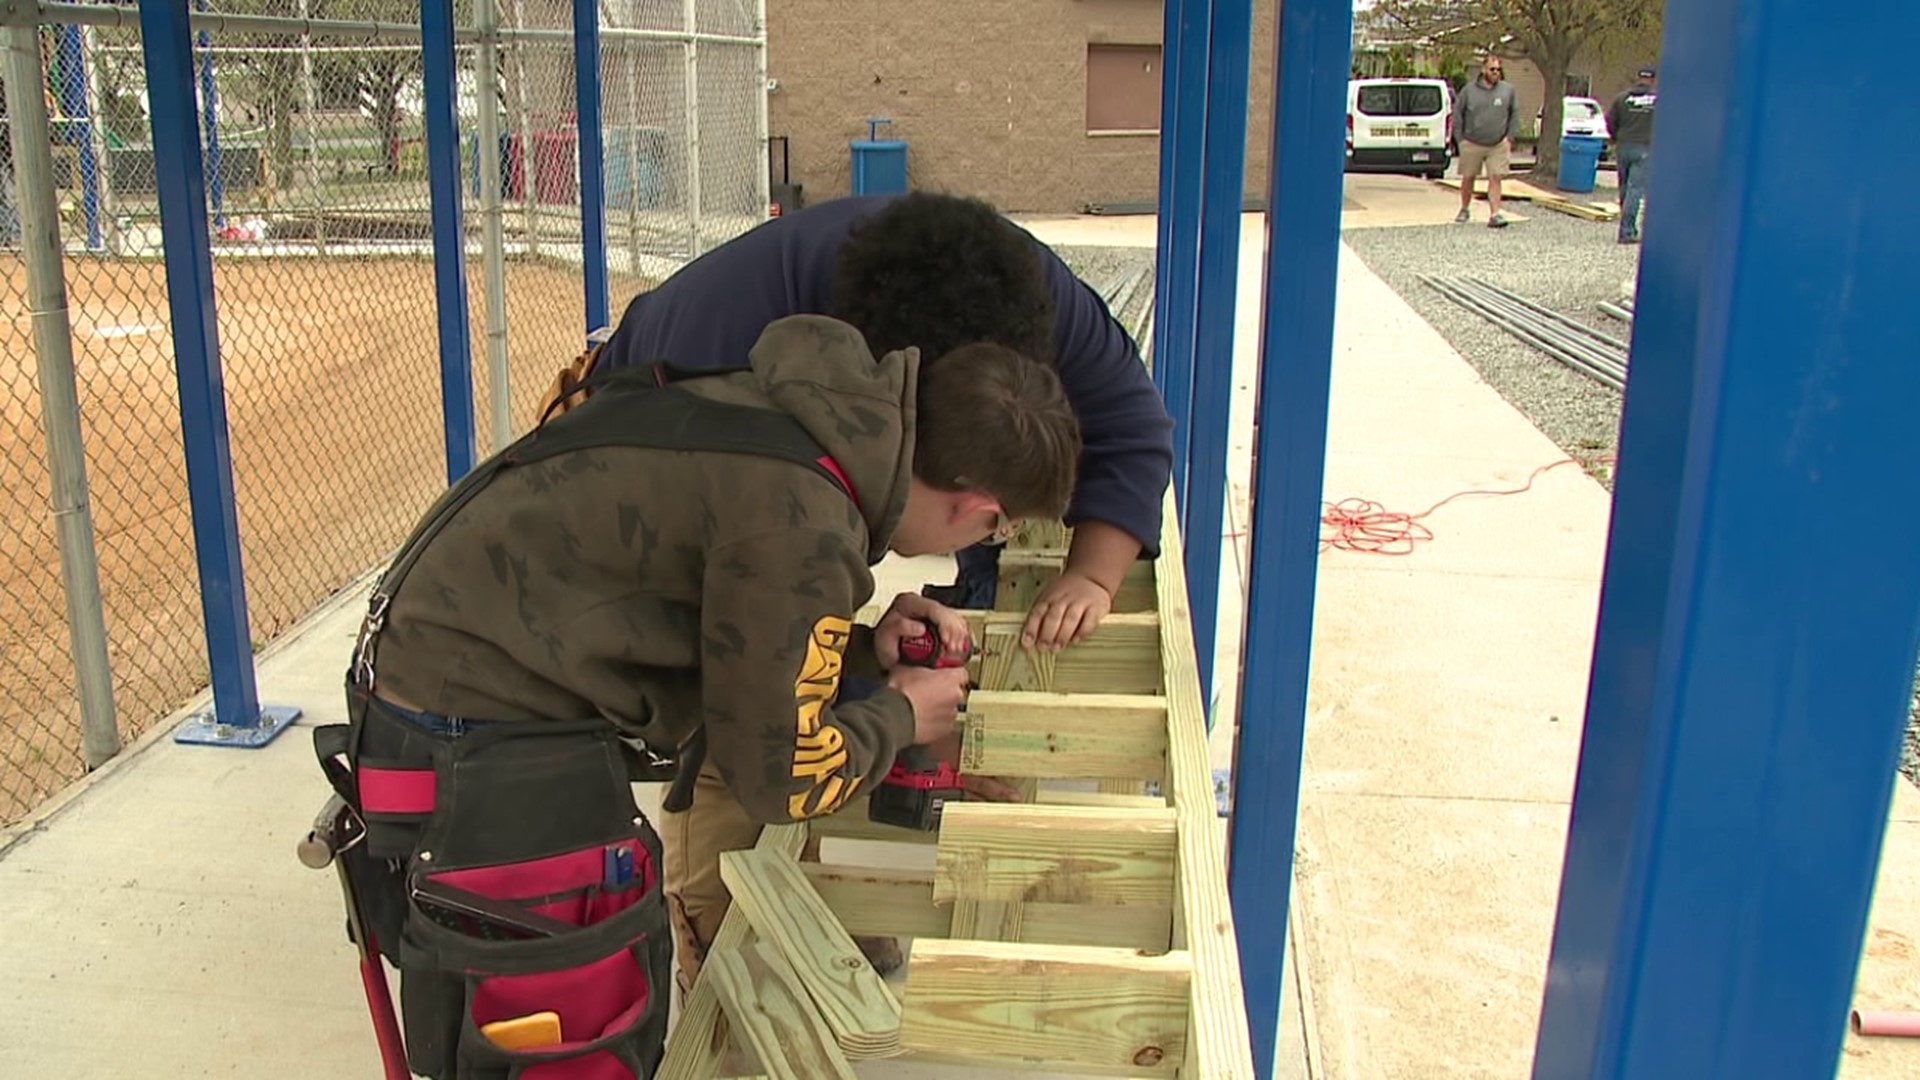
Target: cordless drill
[[920, 783]]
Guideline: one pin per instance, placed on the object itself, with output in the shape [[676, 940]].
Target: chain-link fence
[[313, 146]]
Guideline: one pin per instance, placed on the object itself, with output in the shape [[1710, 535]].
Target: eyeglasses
[[1003, 529]]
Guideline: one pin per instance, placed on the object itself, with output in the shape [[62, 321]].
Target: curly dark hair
[[942, 271]]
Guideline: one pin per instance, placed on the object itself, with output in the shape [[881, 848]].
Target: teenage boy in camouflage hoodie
[[671, 591]]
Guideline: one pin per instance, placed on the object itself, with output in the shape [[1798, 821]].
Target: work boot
[[882, 952], [1465, 215]]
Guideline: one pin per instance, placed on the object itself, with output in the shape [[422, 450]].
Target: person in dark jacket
[[934, 272], [674, 592], [1630, 122]]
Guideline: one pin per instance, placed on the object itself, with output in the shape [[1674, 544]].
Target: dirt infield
[[333, 403]]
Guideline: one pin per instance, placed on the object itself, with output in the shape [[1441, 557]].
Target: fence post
[[691, 10], [529, 160], [59, 399], [97, 135], [1183, 110], [216, 182], [1753, 659], [632, 56], [309, 106], [73, 103], [589, 136], [1304, 182], [765, 190], [438, 71], [236, 718], [1222, 194], [492, 239]]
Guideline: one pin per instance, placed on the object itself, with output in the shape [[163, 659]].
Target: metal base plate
[[202, 729]]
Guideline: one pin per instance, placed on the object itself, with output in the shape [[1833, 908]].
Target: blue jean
[[1634, 162]]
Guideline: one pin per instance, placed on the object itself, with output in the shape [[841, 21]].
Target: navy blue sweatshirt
[[712, 310]]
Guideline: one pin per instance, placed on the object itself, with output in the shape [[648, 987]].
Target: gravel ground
[[1108, 268], [1557, 261], [1554, 260]]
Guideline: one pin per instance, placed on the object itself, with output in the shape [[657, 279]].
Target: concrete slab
[[1889, 976]]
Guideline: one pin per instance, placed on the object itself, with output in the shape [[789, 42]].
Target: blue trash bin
[[1579, 162], [879, 165]]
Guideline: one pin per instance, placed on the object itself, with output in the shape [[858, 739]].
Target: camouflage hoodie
[[664, 588]]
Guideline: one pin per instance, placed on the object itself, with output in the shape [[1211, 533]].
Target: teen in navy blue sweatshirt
[[936, 272]]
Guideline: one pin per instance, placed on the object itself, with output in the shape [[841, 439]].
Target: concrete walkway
[[155, 921]]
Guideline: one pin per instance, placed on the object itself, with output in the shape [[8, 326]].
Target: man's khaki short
[[1473, 156]]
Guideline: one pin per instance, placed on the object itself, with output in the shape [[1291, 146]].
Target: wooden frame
[[1084, 931]]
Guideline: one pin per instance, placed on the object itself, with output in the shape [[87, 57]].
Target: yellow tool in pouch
[[529, 1032]]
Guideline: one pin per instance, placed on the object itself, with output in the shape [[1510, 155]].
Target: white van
[[1399, 125]]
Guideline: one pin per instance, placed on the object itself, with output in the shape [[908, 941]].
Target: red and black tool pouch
[[531, 886]]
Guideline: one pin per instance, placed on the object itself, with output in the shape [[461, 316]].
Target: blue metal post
[[1171, 174], [438, 72], [210, 109], [73, 106], [1182, 116], [591, 136], [1754, 658], [1222, 194], [1296, 361], [236, 719]]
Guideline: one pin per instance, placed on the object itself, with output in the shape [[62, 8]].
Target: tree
[[1551, 33]]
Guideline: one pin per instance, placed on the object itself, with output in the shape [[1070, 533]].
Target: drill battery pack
[[917, 788]]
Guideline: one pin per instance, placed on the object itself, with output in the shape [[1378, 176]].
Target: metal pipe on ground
[[1548, 313], [1585, 347], [1616, 311], [1614, 360], [1526, 333], [1609, 355]]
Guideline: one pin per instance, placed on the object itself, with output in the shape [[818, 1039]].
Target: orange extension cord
[[1365, 526]]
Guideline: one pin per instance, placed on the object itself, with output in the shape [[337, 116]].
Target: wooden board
[[1121, 657], [1056, 854], [1024, 575], [1218, 1041], [1039, 1006], [899, 903], [1521, 191], [1065, 736], [698, 1041], [763, 998], [852, 999]]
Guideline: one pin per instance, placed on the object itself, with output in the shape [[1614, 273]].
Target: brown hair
[[992, 420]]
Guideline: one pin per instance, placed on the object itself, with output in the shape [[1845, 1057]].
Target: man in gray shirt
[[1483, 119]]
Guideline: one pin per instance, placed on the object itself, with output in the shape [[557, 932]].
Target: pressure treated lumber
[[1024, 575], [1055, 854], [1048, 1006], [699, 1038], [773, 1016], [852, 999], [852, 823], [899, 903], [1064, 736], [1219, 1044], [1129, 801], [1122, 656]]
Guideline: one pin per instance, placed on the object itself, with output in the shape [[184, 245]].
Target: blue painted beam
[[1183, 110], [592, 149], [438, 70], [1222, 194], [1754, 656], [1296, 362], [168, 46]]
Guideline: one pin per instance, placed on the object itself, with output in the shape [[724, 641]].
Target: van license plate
[[1422, 155]]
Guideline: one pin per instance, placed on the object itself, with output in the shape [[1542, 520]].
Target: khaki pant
[[692, 841], [1473, 156]]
